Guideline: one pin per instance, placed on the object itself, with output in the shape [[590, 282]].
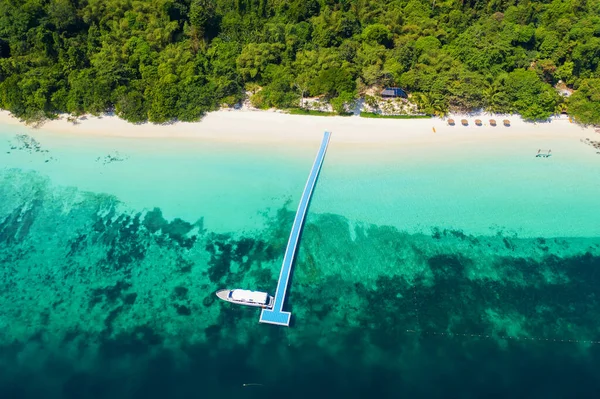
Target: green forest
[[165, 60]]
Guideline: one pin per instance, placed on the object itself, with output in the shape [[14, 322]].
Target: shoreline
[[266, 155], [272, 127]]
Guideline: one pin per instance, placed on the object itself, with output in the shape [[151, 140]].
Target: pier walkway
[[276, 315]]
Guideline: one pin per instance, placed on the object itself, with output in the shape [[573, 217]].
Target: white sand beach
[[267, 126]]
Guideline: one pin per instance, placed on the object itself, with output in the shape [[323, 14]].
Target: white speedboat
[[247, 297]]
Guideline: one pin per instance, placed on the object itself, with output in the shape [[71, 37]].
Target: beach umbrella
[[464, 122], [478, 122], [492, 122], [506, 122], [451, 122]]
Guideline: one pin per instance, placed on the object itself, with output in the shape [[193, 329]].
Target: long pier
[[276, 315]]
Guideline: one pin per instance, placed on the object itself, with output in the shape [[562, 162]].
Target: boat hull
[[226, 296]]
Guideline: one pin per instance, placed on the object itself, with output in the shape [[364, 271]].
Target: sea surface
[[424, 271]]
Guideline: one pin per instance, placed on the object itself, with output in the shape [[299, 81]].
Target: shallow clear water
[[461, 271]]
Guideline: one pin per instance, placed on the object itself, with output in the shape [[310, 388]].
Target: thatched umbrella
[[451, 122], [492, 122], [506, 122], [478, 122], [464, 122]]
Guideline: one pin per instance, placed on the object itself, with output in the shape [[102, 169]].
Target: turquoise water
[[419, 268]]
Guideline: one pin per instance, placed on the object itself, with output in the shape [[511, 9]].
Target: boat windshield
[[249, 296]]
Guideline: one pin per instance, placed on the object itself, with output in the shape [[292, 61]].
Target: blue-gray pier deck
[[276, 315]]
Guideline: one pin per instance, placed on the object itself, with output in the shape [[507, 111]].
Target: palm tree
[[301, 84], [561, 107], [431, 103], [494, 98]]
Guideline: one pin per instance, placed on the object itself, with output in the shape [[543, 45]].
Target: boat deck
[[276, 315]]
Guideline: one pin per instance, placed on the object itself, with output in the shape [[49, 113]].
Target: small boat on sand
[[247, 297]]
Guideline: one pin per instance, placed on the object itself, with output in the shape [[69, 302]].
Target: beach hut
[[393, 92], [506, 122], [492, 122], [464, 122], [451, 122], [478, 122]]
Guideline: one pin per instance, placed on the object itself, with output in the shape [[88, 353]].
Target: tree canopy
[[161, 60]]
